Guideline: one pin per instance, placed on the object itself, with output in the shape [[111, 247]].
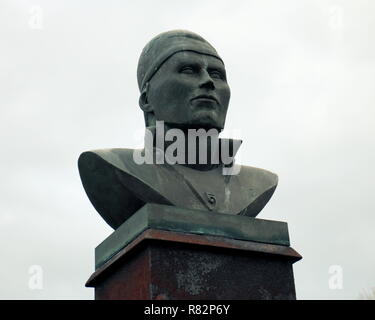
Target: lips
[[206, 97]]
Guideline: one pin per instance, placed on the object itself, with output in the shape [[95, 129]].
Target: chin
[[206, 121]]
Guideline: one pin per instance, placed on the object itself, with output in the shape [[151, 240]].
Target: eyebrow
[[219, 68], [211, 65], [215, 67], [188, 63]]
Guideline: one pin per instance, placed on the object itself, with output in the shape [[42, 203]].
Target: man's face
[[190, 90]]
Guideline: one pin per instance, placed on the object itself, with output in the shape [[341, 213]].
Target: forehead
[[186, 57]]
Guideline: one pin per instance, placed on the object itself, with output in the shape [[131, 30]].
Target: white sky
[[302, 80]]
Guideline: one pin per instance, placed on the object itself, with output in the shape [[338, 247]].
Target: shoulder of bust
[[262, 177], [261, 183], [116, 157], [117, 186]]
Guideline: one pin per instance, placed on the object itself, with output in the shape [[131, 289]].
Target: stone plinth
[[165, 252]]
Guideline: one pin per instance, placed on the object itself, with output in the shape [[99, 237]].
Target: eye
[[216, 75], [187, 70]]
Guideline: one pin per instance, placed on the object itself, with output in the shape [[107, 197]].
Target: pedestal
[[164, 252]]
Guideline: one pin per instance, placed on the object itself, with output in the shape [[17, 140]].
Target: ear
[[147, 109], [143, 100]]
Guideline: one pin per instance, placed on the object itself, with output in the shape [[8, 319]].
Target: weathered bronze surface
[[185, 230], [183, 82]]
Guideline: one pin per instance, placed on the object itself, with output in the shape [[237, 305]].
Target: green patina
[[163, 217]]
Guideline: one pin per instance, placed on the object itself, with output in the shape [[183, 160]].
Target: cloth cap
[[166, 44]]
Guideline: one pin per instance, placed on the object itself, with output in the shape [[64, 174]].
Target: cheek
[[159, 95], [225, 96], [173, 92], [180, 88]]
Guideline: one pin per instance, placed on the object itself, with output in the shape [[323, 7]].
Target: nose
[[206, 81]]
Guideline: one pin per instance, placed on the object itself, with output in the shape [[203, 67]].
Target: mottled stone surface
[[172, 265]]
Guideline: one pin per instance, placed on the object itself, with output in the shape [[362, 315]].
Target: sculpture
[[182, 83]]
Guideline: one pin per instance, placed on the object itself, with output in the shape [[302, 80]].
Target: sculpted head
[[182, 81]]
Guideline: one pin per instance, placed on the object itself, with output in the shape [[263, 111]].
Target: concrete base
[[167, 264]]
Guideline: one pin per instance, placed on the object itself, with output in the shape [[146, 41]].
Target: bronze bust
[[183, 85]]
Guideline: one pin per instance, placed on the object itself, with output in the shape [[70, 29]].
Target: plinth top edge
[[152, 235], [171, 218]]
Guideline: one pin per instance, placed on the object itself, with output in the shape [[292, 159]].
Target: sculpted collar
[[221, 153]]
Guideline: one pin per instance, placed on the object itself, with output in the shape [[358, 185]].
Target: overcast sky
[[302, 76]]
